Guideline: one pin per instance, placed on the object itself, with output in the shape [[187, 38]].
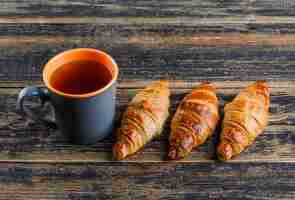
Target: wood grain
[[192, 58], [158, 40], [27, 141], [147, 181], [90, 26], [102, 8], [114, 8]]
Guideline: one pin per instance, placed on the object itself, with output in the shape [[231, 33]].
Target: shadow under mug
[[83, 118]]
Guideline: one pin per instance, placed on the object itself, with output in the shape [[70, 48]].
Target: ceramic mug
[[84, 118]]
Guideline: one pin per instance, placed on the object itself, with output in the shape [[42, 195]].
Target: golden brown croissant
[[143, 119], [194, 121], [244, 119]]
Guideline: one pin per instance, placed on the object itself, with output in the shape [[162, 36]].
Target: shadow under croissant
[[216, 139]]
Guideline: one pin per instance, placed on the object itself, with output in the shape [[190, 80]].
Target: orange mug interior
[[76, 63]]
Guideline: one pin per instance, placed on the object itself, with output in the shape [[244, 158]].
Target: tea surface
[[80, 77]]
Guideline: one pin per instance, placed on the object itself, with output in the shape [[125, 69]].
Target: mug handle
[[43, 95]]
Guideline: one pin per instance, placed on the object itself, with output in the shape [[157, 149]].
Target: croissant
[[194, 121], [244, 119], [143, 119]]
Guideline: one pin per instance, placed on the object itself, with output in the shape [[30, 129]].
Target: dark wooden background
[[228, 42]]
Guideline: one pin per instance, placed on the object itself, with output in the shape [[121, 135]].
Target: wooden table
[[230, 43]]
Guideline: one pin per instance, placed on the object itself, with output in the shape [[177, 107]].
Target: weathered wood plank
[[90, 26], [63, 182], [148, 181], [217, 57], [113, 8], [273, 7], [26, 141], [102, 8]]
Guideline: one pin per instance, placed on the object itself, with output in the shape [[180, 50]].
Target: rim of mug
[[84, 95]]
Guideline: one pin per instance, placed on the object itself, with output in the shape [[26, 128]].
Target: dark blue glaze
[[86, 120]]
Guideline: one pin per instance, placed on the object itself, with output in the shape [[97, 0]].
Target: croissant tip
[[261, 82], [262, 85], [159, 84], [172, 154], [225, 151], [176, 153], [120, 151], [206, 82], [164, 83], [207, 85]]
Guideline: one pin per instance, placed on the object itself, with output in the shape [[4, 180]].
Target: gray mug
[[81, 86]]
